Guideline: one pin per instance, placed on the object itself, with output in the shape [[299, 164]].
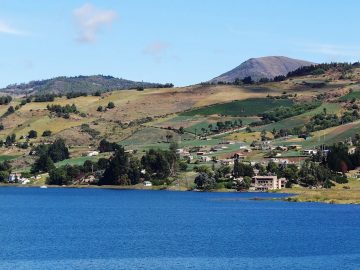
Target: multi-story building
[[267, 182]]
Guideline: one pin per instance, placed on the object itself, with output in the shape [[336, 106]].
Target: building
[[227, 162], [352, 150], [92, 153], [309, 152], [294, 147], [268, 182], [281, 148], [147, 184], [14, 177], [239, 156], [205, 158]]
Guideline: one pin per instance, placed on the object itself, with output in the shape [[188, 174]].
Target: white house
[[309, 152], [92, 153], [205, 158], [147, 184]]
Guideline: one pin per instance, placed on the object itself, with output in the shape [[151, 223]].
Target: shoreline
[[296, 194]]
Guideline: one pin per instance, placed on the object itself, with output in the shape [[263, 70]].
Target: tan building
[[263, 183]]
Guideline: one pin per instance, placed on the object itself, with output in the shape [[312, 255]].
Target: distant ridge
[[262, 67], [87, 84]]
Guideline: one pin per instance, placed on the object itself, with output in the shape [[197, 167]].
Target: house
[[227, 162], [92, 153], [187, 157], [180, 151], [200, 153], [294, 147], [205, 158], [147, 184], [89, 179], [352, 150], [14, 177], [216, 148], [281, 148], [239, 156], [309, 152], [268, 182], [245, 149]]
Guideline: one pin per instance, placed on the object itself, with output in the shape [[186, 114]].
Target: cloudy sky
[[178, 41]]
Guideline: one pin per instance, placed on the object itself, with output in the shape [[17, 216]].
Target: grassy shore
[[340, 194]]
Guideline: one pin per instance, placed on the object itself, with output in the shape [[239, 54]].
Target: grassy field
[[302, 119], [7, 157], [80, 160], [340, 194], [351, 95], [247, 136], [249, 107]]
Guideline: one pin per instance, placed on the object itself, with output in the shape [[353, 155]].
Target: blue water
[[114, 229]]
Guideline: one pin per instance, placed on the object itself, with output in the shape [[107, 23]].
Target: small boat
[[43, 186]]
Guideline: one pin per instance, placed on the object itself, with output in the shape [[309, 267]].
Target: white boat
[[43, 186]]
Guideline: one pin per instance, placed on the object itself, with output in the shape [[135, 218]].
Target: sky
[[179, 41]]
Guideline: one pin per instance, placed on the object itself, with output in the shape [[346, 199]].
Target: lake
[[124, 229]]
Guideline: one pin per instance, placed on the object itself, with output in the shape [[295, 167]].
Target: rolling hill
[[263, 67], [88, 84], [140, 120]]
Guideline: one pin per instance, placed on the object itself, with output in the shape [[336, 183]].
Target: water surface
[[122, 229]]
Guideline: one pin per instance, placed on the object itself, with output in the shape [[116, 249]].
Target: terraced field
[[302, 119], [248, 107]]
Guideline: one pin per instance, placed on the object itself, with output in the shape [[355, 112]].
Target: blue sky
[[178, 41]]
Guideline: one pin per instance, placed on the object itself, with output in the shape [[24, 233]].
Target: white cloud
[[90, 21], [8, 29], [156, 48], [333, 50]]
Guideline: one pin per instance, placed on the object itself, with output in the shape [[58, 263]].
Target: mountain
[[263, 67], [88, 84]]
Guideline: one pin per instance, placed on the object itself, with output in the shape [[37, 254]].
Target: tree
[[100, 109], [247, 80], [264, 80], [205, 182], [279, 78], [106, 146], [243, 184], [46, 133], [32, 134], [4, 176], [314, 174], [58, 151], [10, 110], [263, 135], [111, 105], [97, 94], [10, 140], [117, 171], [58, 176], [168, 137], [338, 158], [159, 164], [242, 169], [43, 164], [272, 167]]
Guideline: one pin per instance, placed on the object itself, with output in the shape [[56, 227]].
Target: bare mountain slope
[[263, 67]]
